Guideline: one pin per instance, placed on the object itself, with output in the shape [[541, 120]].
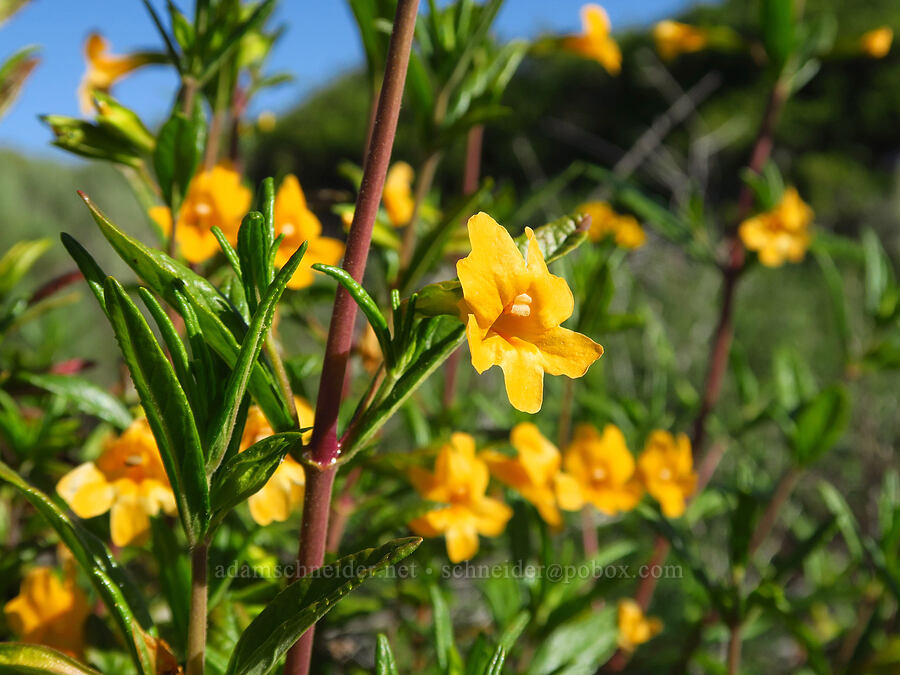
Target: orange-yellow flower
[[283, 493], [215, 198], [635, 628], [666, 468], [535, 473], [460, 480], [297, 223], [780, 234], [369, 350], [624, 228], [397, 195], [603, 468], [104, 69], [49, 611], [128, 480], [595, 41], [673, 38], [877, 42], [513, 307]]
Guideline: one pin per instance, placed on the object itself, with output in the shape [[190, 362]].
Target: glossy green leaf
[[13, 74], [253, 253], [448, 659], [90, 140], [17, 658], [20, 258], [83, 394], [820, 424], [179, 149], [166, 407], [90, 270], [109, 580], [495, 666], [304, 602], [556, 239], [232, 41], [846, 521], [578, 646], [777, 23], [384, 657]]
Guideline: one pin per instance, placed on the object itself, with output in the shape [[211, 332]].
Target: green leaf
[[222, 326], [556, 239], [304, 602], [440, 299], [232, 41], [444, 643], [820, 424], [20, 258], [13, 73], [579, 646], [92, 141], [17, 658], [253, 253], [846, 521], [179, 148], [90, 270], [880, 301], [835, 285], [786, 562], [83, 394], [495, 666], [109, 580], [777, 23], [384, 657], [166, 407]]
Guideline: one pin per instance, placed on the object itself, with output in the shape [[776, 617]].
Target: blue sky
[[320, 43]]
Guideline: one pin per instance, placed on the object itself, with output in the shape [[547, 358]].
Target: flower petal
[[129, 524], [86, 490], [462, 542], [523, 375], [491, 516], [565, 352]]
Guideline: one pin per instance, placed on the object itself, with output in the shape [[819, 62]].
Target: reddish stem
[[55, 285]]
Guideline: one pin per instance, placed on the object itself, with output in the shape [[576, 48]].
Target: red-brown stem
[[341, 511], [782, 491], [324, 446], [589, 532], [734, 650], [196, 645], [54, 285]]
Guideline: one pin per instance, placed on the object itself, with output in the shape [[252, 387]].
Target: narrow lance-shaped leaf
[[28, 659], [384, 657], [444, 642], [820, 424], [93, 275], [83, 394], [20, 258]]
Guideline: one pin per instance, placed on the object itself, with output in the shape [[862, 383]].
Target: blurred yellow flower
[[595, 41], [283, 493], [673, 38], [513, 308], [215, 198], [780, 234], [877, 42], [397, 196], [635, 628], [266, 121], [460, 480], [128, 480], [49, 611], [297, 223], [104, 69], [666, 470], [605, 222], [535, 473], [603, 468], [369, 350]]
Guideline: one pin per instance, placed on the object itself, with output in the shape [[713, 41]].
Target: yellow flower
[[283, 493], [266, 121], [673, 38], [603, 468], [459, 481], [595, 41], [369, 350], [397, 196], [513, 308], [780, 234], [877, 43], [535, 473], [666, 470], [215, 198], [128, 480], [297, 223], [104, 69], [635, 628], [605, 222], [49, 611]]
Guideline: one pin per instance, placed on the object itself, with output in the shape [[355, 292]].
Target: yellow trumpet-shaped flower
[[513, 308], [877, 42], [283, 492], [104, 69], [780, 234], [666, 468], [674, 38], [369, 350], [595, 41], [603, 469], [128, 480], [397, 195], [49, 611], [460, 480], [535, 473], [624, 229], [215, 198], [635, 628], [297, 223]]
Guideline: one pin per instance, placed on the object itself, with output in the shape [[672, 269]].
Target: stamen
[[521, 306], [665, 474], [287, 229], [203, 209]]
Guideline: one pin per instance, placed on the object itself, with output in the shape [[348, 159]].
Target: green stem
[[196, 643]]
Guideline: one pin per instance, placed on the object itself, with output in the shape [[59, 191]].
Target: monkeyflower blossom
[[781, 234], [128, 480], [49, 610], [674, 38], [105, 69], [215, 197], [297, 223], [369, 350], [535, 473], [603, 468], [625, 230], [595, 41], [283, 492], [459, 481], [877, 42], [513, 307], [666, 470], [397, 195], [635, 628]]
